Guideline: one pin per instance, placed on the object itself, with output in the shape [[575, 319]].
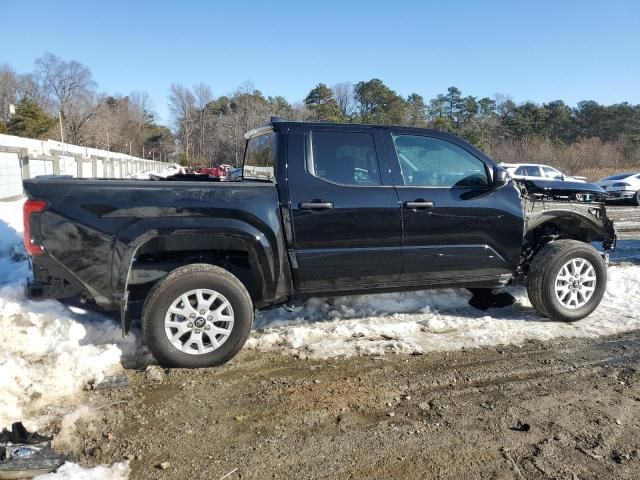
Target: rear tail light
[[31, 207]]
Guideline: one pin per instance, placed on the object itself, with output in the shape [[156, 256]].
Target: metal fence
[[22, 158]]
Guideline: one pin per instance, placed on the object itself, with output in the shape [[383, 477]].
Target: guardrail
[[23, 158]]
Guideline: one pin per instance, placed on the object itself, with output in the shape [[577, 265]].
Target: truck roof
[[281, 122]]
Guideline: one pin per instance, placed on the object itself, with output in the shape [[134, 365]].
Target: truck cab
[[374, 207]]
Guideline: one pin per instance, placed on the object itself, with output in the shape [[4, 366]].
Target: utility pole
[[61, 131]]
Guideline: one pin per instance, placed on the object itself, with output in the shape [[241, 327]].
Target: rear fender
[[207, 234]]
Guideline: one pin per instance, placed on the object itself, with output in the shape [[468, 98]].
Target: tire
[[636, 199], [546, 286], [199, 339]]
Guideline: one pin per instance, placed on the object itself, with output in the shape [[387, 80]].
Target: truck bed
[[92, 229]]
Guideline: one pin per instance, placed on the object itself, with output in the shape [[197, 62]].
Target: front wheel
[[567, 280], [636, 199], [197, 316]]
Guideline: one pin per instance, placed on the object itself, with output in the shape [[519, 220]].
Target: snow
[[49, 351], [71, 471], [440, 320], [171, 169]]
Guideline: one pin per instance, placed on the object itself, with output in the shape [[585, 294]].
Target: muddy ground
[[566, 409]]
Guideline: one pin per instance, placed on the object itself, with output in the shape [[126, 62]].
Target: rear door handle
[[315, 205], [419, 204]]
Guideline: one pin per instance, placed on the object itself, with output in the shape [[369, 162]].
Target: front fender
[[588, 222]]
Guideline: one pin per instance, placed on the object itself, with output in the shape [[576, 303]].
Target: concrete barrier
[[23, 158]]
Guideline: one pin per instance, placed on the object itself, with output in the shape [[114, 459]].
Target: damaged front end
[[564, 210]]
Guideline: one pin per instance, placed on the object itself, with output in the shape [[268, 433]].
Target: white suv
[[533, 171], [625, 186]]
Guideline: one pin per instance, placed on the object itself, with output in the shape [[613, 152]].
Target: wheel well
[[150, 266], [568, 228]]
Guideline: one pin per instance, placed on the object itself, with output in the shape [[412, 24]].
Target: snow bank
[[169, 170], [71, 471], [49, 352], [437, 320]]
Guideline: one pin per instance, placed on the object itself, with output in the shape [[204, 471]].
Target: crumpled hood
[[559, 188]]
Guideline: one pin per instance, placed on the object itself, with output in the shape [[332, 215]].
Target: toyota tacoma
[[321, 209]]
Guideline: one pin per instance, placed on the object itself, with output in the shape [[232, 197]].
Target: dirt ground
[[564, 410]]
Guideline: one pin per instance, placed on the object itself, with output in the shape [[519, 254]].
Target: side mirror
[[500, 177]]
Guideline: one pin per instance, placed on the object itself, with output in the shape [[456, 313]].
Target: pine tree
[[322, 102], [30, 120], [377, 103], [417, 110]]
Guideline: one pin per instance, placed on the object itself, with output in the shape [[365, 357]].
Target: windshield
[[618, 177], [260, 157]]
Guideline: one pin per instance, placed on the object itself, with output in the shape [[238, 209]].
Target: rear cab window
[[260, 157]]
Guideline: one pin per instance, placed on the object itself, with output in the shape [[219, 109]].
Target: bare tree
[[71, 89], [343, 93], [9, 87], [182, 108], [202, 95]]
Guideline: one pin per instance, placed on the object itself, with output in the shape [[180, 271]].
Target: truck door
[[345, 213], [456, 227]]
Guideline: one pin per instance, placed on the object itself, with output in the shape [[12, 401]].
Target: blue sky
[[532, 50]]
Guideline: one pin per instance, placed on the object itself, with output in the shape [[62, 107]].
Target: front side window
[[551, 172], [260, 157], [528, 171], [347, 158], [432, 162]]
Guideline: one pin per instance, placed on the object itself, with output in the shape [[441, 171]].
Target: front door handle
[[315, 205], [417, 204]]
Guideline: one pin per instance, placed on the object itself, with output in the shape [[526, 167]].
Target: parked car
[[532, 171], [322, 209], [234, 174], [625, 186], [219, 171]]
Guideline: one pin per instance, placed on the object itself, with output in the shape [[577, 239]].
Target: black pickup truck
[[322, 209]]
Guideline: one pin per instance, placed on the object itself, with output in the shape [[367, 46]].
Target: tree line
[[587, 137], [207, 129], [60, 100]]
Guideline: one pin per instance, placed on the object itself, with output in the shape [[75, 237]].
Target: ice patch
[[71, 471]]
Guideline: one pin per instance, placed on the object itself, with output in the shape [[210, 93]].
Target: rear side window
[[431, 162], [347, 158], [260, 157]]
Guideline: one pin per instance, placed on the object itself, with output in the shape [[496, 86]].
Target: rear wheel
[[567, 280], [197, 316]]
